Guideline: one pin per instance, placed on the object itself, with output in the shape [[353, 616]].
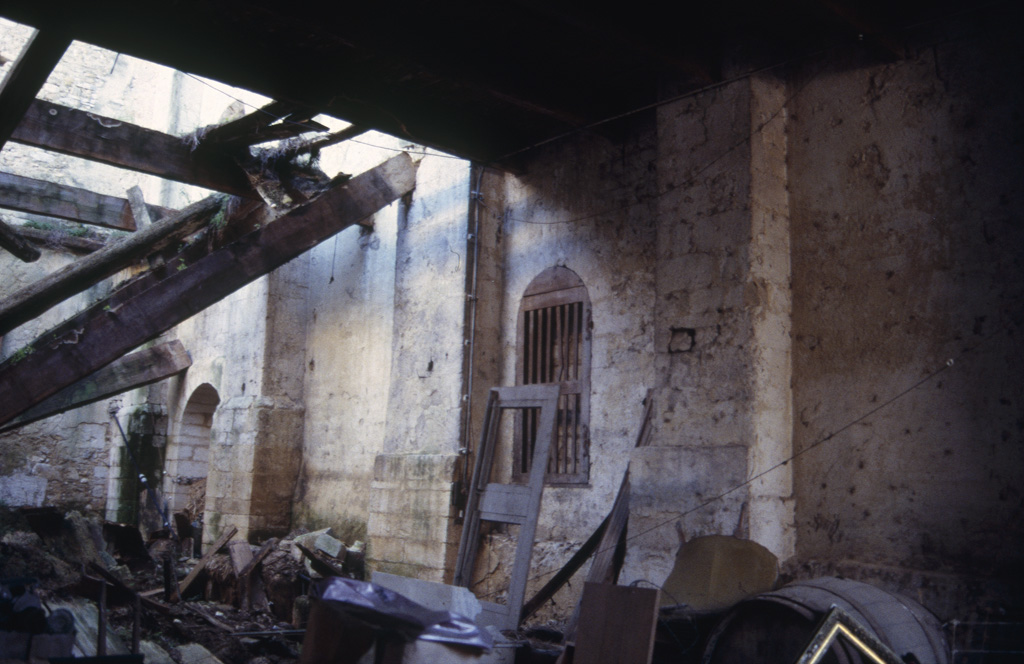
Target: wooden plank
[[170, 295], [205, 560], [71, 203], [12, 242], [138, 369], [82, 134], [22, 83], [617, 624], [39, 296], [320, 563]]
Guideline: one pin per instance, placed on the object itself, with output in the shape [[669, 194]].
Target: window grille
[[554, 348]]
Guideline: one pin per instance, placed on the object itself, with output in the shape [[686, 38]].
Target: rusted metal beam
[[17, 90], [138, 369], [106, 140], [178, 291], [71, 203]]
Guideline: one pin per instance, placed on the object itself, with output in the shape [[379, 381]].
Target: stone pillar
[[722, 327], [411, 529]]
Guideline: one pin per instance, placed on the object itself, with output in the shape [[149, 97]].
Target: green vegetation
[[22, 353]]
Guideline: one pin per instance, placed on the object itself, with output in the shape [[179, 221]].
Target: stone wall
[[907, 299]]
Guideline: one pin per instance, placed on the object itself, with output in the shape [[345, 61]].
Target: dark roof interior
[[481, 80]]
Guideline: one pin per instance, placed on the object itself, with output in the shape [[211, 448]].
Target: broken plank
[[149, 602], [107, 333], [82, 134], [319, 562], [70, 203], [14, 243], [19, 88], [138, 369], [204, 561], [41, 295]]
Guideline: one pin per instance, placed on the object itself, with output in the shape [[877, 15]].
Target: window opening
[[554, 349]]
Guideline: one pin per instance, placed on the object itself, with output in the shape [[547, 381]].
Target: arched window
[[554, 348]]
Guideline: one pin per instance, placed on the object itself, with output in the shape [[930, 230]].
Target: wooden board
[[617, 624]]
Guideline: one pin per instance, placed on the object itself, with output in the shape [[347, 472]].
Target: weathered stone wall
[[410, 524], [907, 242], [349, 325], [585, 205]]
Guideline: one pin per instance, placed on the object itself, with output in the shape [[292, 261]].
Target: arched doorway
[[188, 453]]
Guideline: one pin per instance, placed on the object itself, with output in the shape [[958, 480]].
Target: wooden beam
[[204, 561], [82, 134], [12, 242], [17, 90], [71, 203], [55, 238], [138, 369], [123, 322], [38, 297]]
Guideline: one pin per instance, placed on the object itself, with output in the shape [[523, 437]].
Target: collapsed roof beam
[[82, 134], [105, 332], [39, 296], [70, 203], [138, 369], [21, 85]]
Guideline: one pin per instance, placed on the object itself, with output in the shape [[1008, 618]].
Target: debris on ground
[[71, 577]]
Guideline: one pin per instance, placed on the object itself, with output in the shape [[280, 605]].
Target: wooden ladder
[[507, 503]]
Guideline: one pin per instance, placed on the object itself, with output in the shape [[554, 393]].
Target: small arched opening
[[188, 454]]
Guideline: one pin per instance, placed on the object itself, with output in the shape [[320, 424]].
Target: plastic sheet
[[397, 615]]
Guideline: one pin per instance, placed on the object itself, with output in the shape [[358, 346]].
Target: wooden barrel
[[776, 626]]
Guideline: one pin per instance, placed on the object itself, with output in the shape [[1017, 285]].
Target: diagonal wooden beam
[[71, 203], [82, 134], [40, 55], [138, 369], [54, 288], [114, 327]]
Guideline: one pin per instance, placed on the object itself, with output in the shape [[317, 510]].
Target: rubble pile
[[77, 577]]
